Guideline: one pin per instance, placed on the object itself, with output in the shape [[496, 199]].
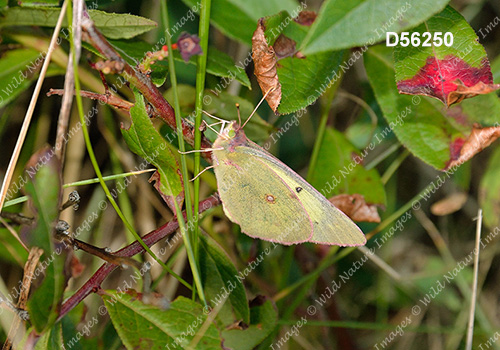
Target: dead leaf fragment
[[284, 46], [450, 204], [462, 92], [169, 199], [265, 66], [305, 18], [462, 150], [355, 206], [189, 45]]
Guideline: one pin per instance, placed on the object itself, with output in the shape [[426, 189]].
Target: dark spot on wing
[[298, 189], [270, 198]]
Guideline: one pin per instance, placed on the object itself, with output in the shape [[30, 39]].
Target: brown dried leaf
[[189, 45], [169, 199], [462, 92], [76, 267], [284, 46], [265, 66], [355, 206], [450, 204], [479, 138], [306, 18]]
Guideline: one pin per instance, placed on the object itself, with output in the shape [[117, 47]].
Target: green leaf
[[434, 70], [44, 189], [111, 25], [495, 69], [148, 327], [489, 191], [222, 283], [238, 18], [10, 249], [221, 65], [429, 131], [144, 140], [344, 24], [304, 79], [63, 335], [38, 3], [339, 170], [52, 339], [17, 68], [263, 320]]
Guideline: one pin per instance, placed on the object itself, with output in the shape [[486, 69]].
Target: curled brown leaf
[[264, 59], [462, 92], [462, 150], [355, 206], [450, 204]]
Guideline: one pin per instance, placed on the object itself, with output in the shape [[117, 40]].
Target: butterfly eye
[[231, 133]]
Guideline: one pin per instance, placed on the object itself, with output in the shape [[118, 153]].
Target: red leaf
[[450, 80]]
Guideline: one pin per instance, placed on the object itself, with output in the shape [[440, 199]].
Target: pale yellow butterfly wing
[[330, 225], [270, 201], [257, 199]]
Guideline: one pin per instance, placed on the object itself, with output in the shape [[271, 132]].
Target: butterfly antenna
[[217, 132], [214, 117], [188, 121], [239, 114], [258, 105]]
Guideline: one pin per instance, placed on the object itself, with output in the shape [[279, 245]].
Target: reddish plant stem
[[109, 99], [93, 283], [143, 83]]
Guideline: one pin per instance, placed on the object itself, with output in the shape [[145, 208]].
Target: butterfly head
[[231, 131], [230, 136]]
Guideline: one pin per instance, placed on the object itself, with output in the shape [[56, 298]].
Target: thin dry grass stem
[[13, 233], [408, 339], [472, 310], [31, 108], [29, 269], [380, 263], [69, 81], [435, 235], [73, 169], [364, 105]]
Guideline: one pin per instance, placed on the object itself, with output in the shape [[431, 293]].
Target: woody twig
[[142, 82]]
